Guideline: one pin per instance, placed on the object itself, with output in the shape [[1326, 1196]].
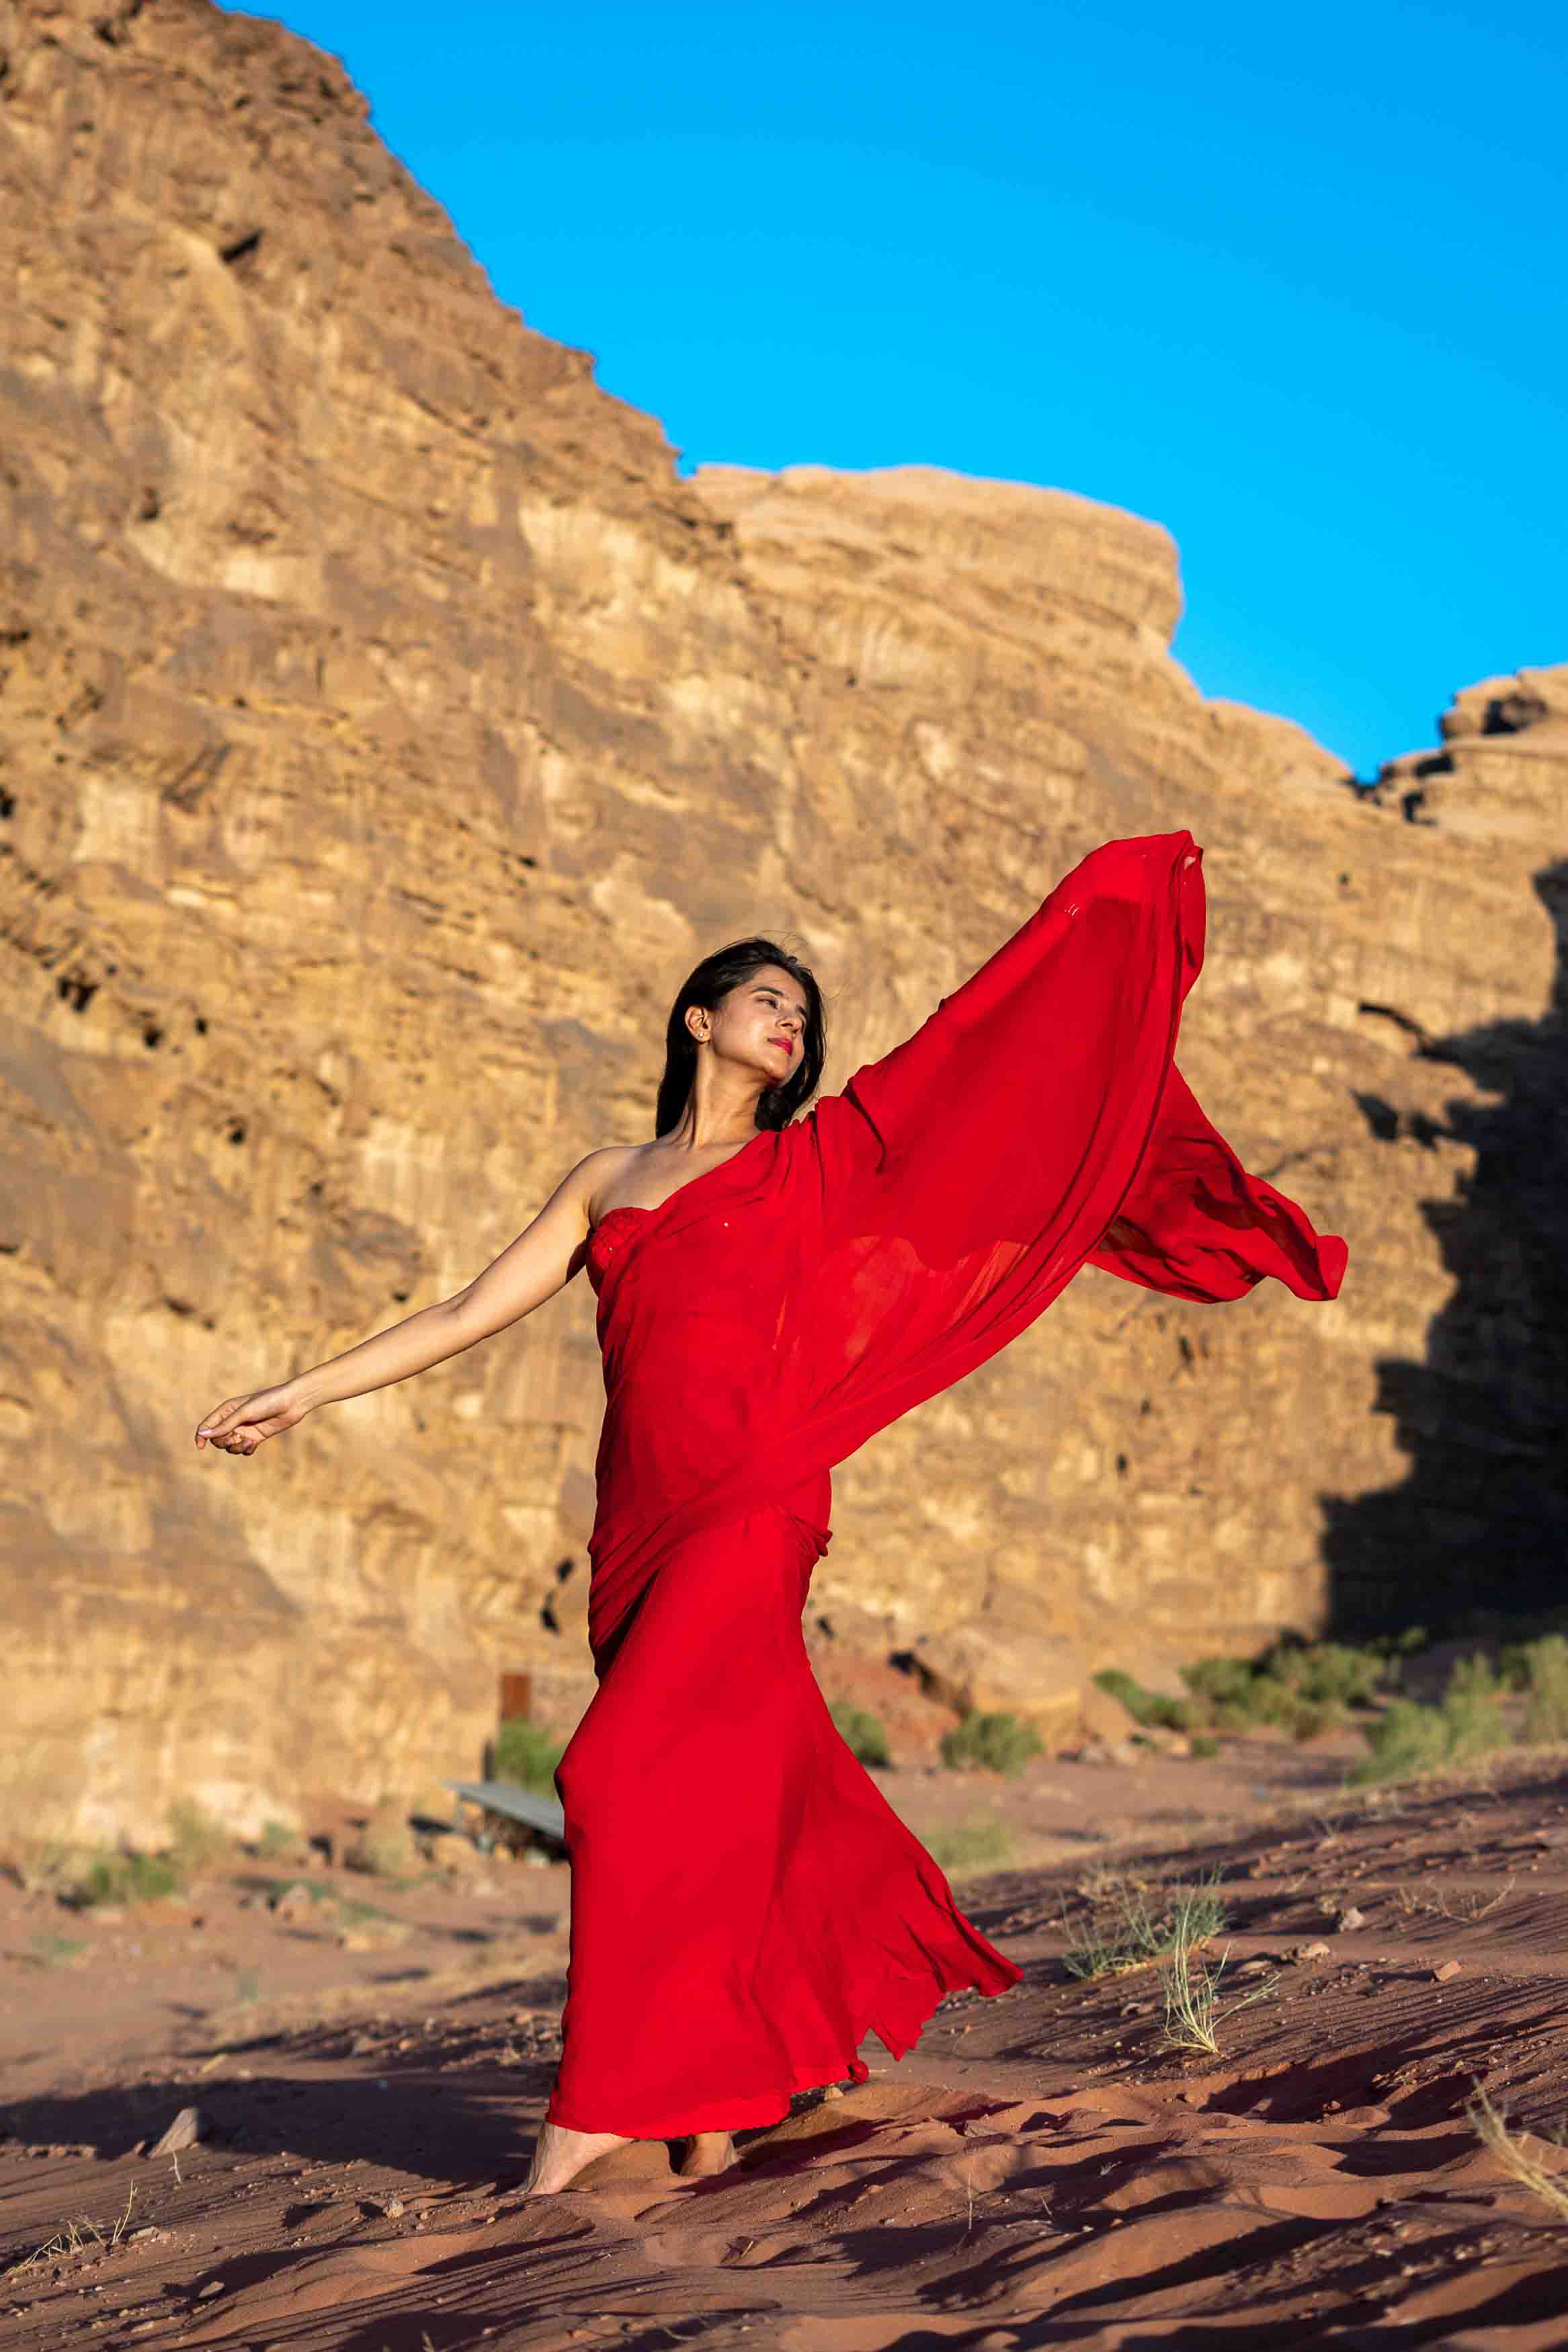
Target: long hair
[[707, 986]]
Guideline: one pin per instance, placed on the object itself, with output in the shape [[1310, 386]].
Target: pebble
[[187, 2128], [1349, 1921], [1447, 1972]]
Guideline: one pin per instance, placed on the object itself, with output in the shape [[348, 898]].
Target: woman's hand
[[239, 1426]]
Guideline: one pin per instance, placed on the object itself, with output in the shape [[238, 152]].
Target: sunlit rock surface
[[386, 728]]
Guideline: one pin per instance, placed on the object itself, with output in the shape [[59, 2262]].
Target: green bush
[[1301, 1687], [1406, 1738], [861, 1734], [1152, 1708], [1221, 1682], [525, 1755], [994, 1743], [196, 1840], [1467, 1722], [1540, 1669], [1328, 1675], [1470, 1705], [124, 1878]]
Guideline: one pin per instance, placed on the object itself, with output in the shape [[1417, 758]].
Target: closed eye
[[771, 996]]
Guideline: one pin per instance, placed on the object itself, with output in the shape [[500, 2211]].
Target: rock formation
[[385, 729]]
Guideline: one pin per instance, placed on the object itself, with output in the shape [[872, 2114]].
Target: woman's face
[[760, 1024]]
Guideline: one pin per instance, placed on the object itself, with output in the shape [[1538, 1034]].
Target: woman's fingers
[[240, 1424], [222, 1427]]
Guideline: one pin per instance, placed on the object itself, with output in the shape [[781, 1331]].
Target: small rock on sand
[[1349, 1921], [1445, 1973], [188, 2126]]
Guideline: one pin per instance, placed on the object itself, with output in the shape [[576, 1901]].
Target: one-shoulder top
[[605, 1241]]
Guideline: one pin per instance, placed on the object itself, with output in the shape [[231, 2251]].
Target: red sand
[[1040, 2172]]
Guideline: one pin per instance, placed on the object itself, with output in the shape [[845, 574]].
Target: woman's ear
[[699, 1021]]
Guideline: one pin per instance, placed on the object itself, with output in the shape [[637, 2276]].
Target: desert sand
[[370, 2059]]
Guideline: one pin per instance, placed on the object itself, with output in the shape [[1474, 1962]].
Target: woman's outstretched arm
[[531, 1269]]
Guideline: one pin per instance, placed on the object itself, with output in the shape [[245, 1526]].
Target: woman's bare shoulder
[[604, 1170]]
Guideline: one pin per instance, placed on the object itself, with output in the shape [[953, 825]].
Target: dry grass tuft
[[1491, 2129], [1193, 2010], [1464, 1910], [1137, 1932], [75, 2237]]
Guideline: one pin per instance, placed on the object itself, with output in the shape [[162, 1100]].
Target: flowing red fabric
[[745, 1906]]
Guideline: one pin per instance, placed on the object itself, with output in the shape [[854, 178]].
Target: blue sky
[[1289, 281]]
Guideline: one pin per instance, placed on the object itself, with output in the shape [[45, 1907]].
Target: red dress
[[746, 1906]]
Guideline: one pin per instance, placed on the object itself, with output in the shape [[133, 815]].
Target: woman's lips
[[784, 1043]]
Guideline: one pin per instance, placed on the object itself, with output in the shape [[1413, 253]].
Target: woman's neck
[[716, 1116]]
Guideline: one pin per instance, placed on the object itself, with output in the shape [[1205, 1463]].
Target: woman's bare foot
[[706, 2152], [559, 2155]]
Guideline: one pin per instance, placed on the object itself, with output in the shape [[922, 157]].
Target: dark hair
[[708, 985]]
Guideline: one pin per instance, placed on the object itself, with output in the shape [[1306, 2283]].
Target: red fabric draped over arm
[[968, 1176]]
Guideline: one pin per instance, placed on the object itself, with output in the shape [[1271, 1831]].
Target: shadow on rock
[[1480, 1524]]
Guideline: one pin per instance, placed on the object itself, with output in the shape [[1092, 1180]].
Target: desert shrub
[[1540, 1669], [1470, 1705], [1301, 1687], [969, 1846], [1329, 1675], [122, 1878], [993, 1743], [1151, 1708], [276, 1838], [525, 1755], [1467, 1722], [196, 1841], [1221, 1682], [861, 1734], [1406, 1738]]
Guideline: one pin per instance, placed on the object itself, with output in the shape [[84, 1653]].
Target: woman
[[771, 1291]]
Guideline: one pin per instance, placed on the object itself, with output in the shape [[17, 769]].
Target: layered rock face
[[386, 729]]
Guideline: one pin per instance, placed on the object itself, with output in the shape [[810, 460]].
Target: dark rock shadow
[[1477, 1531]]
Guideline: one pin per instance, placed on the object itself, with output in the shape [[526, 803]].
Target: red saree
[[744, 1905]]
